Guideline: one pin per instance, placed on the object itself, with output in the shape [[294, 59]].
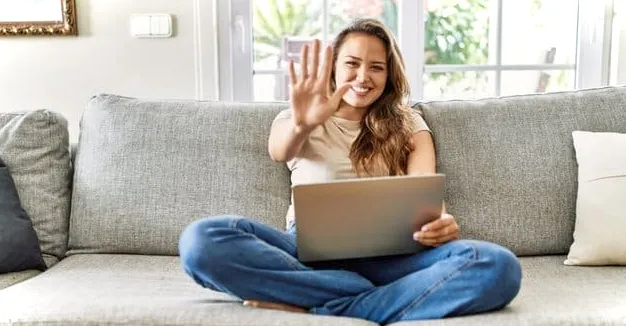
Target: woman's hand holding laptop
[[438, 232]]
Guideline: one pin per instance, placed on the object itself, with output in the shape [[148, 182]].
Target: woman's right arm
[[286, 140], [311, 105]]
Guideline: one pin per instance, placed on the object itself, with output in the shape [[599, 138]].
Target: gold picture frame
[[19, 18]]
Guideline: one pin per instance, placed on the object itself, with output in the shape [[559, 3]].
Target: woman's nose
[[361, 75]]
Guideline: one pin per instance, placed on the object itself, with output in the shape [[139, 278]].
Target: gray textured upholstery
[[510, 164], [134, 290], [35, 147], [146, 169], [9, 279], [151, 290]]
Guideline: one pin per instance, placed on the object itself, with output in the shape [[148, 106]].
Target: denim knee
[[505, 274], [197, 247]]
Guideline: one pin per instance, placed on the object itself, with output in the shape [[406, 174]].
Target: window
[[480, 48], [452, 49]]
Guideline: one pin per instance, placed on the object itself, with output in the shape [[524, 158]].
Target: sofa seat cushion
[[153, 290], [9, 279], [98, 289], [555, 294]]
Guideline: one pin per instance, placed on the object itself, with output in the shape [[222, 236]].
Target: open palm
[[310, 102]]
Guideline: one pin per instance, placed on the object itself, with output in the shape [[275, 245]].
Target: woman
[[348, 119]]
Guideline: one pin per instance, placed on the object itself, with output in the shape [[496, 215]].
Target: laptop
[[366, 217]]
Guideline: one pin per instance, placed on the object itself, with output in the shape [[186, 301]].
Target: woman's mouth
[[359, 90]]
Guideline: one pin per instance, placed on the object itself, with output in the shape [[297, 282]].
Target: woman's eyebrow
[[359, 59]]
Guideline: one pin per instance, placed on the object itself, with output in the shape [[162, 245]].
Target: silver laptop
[[366, 217]]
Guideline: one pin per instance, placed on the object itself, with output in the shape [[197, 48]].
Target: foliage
[[275, 19], [456, 33]]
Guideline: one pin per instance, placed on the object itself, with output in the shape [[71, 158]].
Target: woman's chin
[[358, 102]]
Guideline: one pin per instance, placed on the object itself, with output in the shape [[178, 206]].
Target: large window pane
[[539, 31], [265, 89], [527, 82], [276, 24], [459, 85], [457, 32], [344, 11], [280, 28]]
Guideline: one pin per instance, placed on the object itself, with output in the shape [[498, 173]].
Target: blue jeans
[[254, 261]]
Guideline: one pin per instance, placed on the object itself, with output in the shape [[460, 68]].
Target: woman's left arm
[[422, 161]]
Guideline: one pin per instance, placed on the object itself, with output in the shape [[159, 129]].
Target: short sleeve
[[283, 115], [419, 123]]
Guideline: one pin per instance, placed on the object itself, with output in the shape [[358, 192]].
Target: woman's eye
[[350, 63], [377, 68]]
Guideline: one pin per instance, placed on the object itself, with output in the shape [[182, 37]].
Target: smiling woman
[[37, 17]]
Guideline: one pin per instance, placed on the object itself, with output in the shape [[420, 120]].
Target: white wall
[[62, 73]]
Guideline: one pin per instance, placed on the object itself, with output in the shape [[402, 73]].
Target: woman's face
[[361, 62]]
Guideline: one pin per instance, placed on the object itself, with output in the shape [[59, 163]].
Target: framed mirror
[[37, 17]]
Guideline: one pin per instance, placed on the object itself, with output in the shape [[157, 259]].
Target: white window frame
[[235, 42], [594, 42]]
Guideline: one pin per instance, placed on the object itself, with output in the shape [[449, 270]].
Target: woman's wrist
[[301, 131]]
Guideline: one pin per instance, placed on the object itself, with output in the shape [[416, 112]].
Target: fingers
[[438, 241], [335, 99], [328, 65], [306, 71], [304, 61], [292, 73], [445, 220], [439, 233], [316, 58]]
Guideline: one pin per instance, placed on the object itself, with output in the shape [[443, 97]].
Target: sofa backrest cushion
[[19, 245], [145, 169], [34, 146], [510, 162]]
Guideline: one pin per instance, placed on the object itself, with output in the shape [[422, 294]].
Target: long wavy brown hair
[[386, 128]]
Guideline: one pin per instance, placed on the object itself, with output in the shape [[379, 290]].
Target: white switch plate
[[140, 25], [151, 25], [161, 25]]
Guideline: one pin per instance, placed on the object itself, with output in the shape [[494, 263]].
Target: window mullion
[[325, 21], [235, 44], [225, 88], [494, 68], [411, 38], [499, 30], [593, 38]]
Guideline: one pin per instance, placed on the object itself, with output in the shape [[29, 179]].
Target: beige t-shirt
[[325, 156]]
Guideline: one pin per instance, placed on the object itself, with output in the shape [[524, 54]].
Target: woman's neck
[[349, 112]]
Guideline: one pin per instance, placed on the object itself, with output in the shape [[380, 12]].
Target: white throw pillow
[[600, 231]]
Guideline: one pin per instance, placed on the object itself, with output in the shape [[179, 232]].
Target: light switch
[[161, 25], [140, 25], [151, 25]]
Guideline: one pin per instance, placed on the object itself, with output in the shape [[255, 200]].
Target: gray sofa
[[144, 169]]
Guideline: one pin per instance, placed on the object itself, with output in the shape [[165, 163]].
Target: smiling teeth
[[360, 89]]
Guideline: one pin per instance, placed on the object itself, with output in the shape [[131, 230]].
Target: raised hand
[[311, 104]]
